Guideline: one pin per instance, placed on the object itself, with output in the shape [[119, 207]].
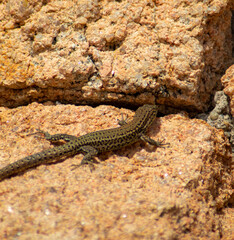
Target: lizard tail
[[36, 159]]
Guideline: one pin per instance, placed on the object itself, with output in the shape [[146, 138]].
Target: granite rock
[[139, 192], [121, 52]]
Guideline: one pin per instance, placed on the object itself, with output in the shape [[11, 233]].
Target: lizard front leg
[[123, 120], [151, 141]]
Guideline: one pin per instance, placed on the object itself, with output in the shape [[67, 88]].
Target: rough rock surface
[[173, 53], [228, 84], [139, 192], [220, 116], [114, 51]]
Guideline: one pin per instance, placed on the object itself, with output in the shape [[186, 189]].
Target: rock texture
[[123, 53], [114, 51], [139, 192], [228, 84], [220, 116]]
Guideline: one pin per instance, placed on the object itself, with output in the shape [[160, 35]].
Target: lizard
[[91, 144]]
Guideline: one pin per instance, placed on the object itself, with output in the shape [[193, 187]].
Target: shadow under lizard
[[90, 144]]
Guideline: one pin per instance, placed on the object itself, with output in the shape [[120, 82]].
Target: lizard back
[[115, 138]]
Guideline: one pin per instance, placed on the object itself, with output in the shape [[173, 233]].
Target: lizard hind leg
[[55, 137], [90, 152]]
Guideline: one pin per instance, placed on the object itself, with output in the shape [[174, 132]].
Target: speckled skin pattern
[[90, 144]]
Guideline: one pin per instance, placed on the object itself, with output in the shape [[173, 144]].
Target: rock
[[117, 51], [138, 191]]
